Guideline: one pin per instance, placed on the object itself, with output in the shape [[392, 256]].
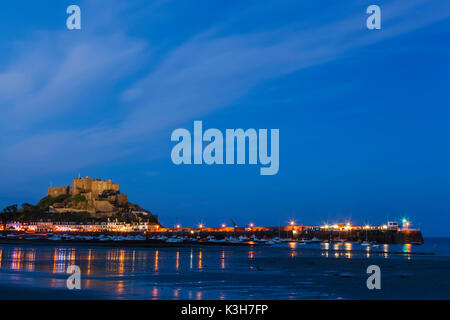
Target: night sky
[[363, 114]]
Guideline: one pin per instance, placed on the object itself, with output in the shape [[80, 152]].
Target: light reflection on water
[[101, 265], [17, 259], [62, 258], [348, 246], [251, 253], [222, 260], [156, 260], [155, 293], [120, 261], [293, 247], [407, 249]]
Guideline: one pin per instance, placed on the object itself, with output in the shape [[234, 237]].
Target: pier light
[[223, 225], [384, 226], [292, 222], [335, 226], [178, 226], [367, 226], [326, 226], [200, 225], [405, 223], [251, 224], [192, 231], [294, 232]]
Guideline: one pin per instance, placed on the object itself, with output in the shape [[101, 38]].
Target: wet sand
[[221, 272]]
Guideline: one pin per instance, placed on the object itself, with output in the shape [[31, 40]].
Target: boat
[[12, 235], [304, 241], [257, 240], [217, 240], [234, 240], [55, 238], [315, 240], [174, 240]]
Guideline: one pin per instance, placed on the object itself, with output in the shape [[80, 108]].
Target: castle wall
[[122, 199], [103, 206], [81, 185], [56, 191], [52, 209], [90, 189]]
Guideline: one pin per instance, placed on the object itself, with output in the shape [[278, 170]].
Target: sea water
[[283, 271]]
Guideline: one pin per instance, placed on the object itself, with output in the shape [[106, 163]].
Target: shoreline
[[125, 243], [162, 244]]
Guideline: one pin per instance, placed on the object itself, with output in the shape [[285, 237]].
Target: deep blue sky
[[363, 115]]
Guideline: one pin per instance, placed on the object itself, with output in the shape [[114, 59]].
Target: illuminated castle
[[98, 197]]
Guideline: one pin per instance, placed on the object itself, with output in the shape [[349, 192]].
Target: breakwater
[[227, 234], [298, 233]]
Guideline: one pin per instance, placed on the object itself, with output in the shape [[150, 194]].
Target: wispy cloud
[[53, 74]]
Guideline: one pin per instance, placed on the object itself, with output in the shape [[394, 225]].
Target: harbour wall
[[378, 236]]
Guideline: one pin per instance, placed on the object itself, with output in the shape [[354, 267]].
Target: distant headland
[[93, 200], [100, 198]]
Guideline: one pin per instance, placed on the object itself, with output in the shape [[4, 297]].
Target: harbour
[[224, 235]]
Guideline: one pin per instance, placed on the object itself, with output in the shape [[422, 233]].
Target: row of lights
[[348, 226], [223, 225]]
